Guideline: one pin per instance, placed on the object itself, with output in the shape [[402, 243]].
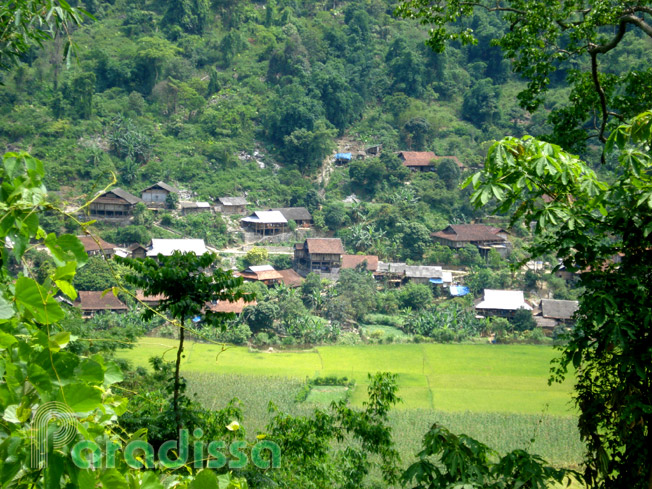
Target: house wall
[[109, 210], [233, 209], [156, 196]]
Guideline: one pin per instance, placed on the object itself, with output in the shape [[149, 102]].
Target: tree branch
[[600, 90]]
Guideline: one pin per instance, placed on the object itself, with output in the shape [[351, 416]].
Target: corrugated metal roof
[[266, 217], [166, 247], [507, 300], [343, 156]]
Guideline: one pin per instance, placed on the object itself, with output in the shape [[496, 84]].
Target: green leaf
[[81, 398], [67, 288], [112, 479], [150, 481], [6, 340], [112, 374], [90, 371], [39, 378], [205, 479], [6, 309], [35, 299]]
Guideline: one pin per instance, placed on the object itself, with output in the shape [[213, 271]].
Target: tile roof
[[91, 245], [92, 300], [331, 246], [469, 232], [417, 158], [122, 194], [291, 278], [352, 261], [163, 186], [232, 201], [558, 309], [227, 306], [294, 213]]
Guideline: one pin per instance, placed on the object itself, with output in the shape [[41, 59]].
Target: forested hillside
[[189, 92]]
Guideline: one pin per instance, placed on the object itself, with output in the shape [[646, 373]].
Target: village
[[290, 233]]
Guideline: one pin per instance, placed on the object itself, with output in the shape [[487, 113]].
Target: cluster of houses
[[118, 203]]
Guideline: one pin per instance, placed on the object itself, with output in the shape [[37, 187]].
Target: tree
[[554, 35], [449, 173], [415, 296], [188, 288], [587, 221], [481, 103], [26, 22], [256, 256], [523, 320]]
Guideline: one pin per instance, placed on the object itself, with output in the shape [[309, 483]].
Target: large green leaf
[[37, 301], [205, 479], [81, 398]]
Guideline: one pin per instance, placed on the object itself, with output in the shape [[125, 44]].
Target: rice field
[[497, 394], [477, 378], [555, 437]]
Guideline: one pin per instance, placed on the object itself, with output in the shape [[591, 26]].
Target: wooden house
[[266, 223], [425, 160], [194, 207], [94, 246], [156, 195], [418, 160], [92, 302], [484, 237], [136, 250], [320, 255], [114, 203], [262, 273], [232, 205], [300, 215]]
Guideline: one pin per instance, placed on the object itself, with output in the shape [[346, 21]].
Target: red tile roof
[[352, 261], [417, 158], [329, 246], [469, 232], [92, 300], [227, 306], [291, 278], [91, 245]]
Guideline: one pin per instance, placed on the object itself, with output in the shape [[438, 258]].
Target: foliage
[[38, 364], [466, 462], [415, 296], [256, 256], [587, 221], [573, 37], [444, 323], [306, 441], [188, 286], [25, 23]]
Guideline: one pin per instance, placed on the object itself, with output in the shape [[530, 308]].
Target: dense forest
[[227, 97]]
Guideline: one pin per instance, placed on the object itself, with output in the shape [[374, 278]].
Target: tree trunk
[[175, 398]]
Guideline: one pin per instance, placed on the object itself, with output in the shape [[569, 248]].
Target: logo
[[54, 426]]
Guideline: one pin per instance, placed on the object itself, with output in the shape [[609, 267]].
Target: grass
[[323, 395], [556, 437], [495, 393], [476, 378]]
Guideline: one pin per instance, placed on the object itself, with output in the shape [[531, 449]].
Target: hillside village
[[282, 247]]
